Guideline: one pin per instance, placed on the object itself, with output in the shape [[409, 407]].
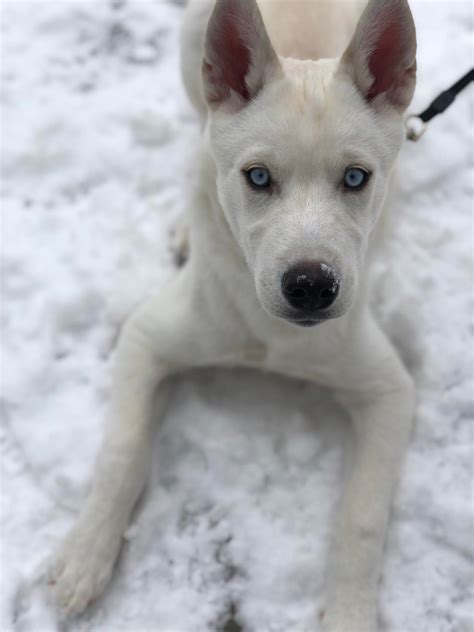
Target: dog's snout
[[310, 286]]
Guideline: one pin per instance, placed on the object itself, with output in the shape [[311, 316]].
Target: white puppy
[[291, 179]]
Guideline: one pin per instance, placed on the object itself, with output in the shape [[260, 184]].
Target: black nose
[[310, 286]]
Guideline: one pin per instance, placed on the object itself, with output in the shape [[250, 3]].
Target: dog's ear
[[381, 57], [238, 55]]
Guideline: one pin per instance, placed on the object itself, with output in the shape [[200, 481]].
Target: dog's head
[[304, 150]]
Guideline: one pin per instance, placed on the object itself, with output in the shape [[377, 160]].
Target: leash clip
[[415, 127], [415, 124]]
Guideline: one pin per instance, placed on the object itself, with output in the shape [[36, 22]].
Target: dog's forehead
[[312, 115], [306, 87], [310, 106]]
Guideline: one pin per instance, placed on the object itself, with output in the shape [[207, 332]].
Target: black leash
[[416, 123]]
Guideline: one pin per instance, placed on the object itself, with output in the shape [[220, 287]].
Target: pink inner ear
[[384, 62], [233, 59]]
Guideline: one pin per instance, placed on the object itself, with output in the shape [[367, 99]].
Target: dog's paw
[[81, 569]]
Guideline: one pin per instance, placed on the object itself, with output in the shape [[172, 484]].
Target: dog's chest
[[305, 355]]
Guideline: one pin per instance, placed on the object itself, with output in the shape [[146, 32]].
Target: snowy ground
[[96, 137]]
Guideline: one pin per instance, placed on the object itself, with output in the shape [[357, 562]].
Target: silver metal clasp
[[415, 127]]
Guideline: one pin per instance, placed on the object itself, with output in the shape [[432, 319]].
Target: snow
[[97, 138]]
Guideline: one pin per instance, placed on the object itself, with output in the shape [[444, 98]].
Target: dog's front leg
[[380, 399], [154, 342]]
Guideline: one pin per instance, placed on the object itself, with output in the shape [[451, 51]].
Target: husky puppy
[[301, 105]]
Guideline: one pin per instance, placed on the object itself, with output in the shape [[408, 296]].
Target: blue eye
[[355, 178], [258, 177]]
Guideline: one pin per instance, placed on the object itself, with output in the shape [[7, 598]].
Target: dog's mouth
[[306, 322], [305, 318], [311, 319]]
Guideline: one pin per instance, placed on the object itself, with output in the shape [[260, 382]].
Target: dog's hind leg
[[160, 338], [379, 395]]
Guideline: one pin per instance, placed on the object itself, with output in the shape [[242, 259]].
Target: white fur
[[225, 307]]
